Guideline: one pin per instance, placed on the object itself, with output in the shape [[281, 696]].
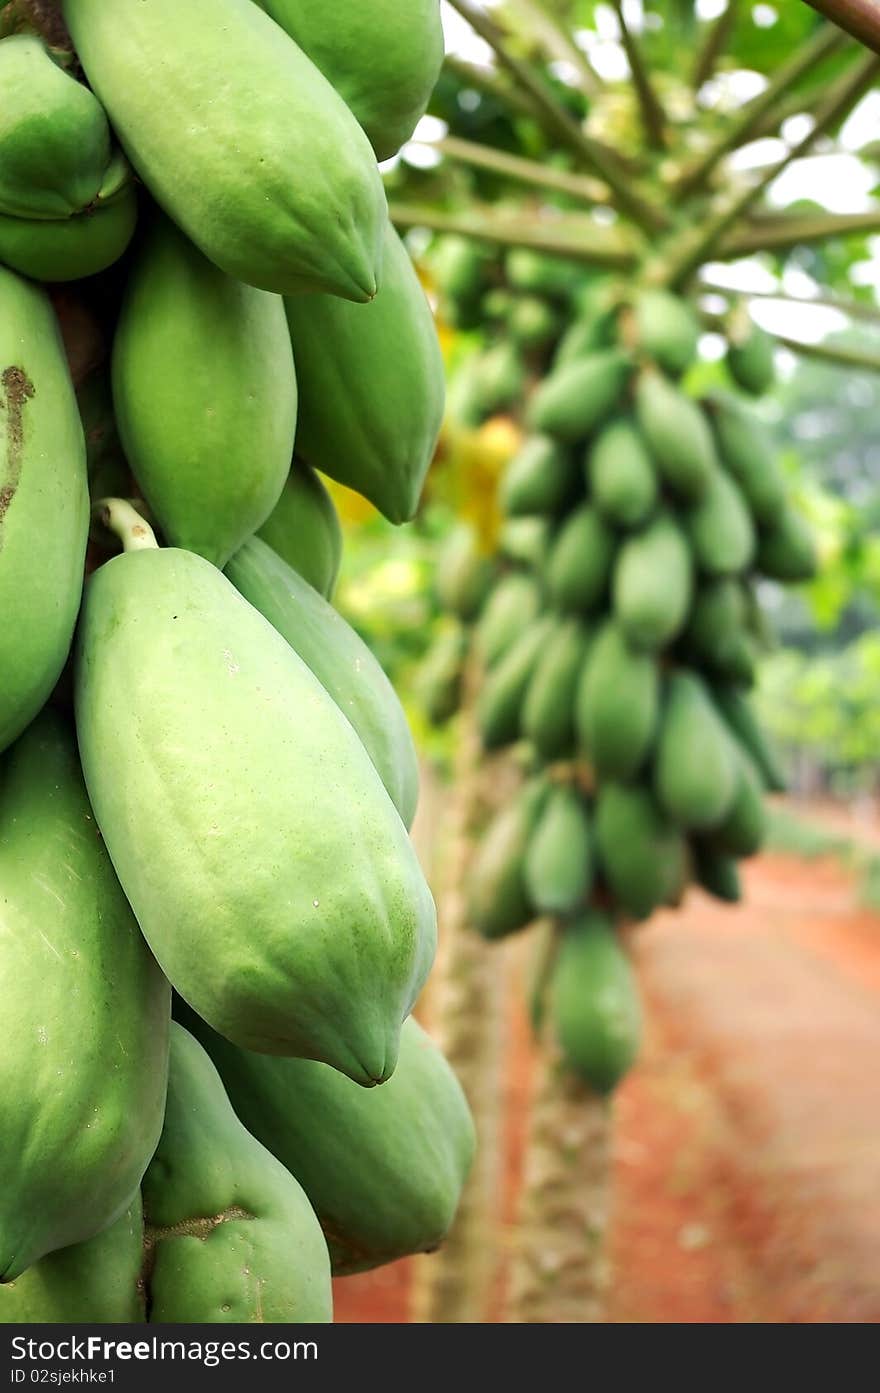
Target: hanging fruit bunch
[[222, 816]]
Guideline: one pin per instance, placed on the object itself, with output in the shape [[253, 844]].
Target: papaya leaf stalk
[[574, 238], [523, 171]]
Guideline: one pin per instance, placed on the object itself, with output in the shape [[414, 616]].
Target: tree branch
[[777, 233], [861, 18], [575, 238], [559, 45], [853, 309], [523, 171], [652, 113], [836, 354], [714, 43]]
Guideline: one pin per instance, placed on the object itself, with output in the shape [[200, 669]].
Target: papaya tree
[[617, 622]]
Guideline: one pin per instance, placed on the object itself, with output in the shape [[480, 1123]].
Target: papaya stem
[[521, 170], [572, 237], [853, 309], [488, 81], [125, 522], [650, 106], [776, 232], [861, 18], [559, 45], [713, 45], [839, 355]]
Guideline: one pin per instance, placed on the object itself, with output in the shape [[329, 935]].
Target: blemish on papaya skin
[[16, 389]]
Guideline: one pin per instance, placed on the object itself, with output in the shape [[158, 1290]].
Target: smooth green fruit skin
[[717, 874], [738, 715], [744, 828], [304, 529], [229, 1234], [382, 1168], [543, 275], [439, 679], [579, 563], [621, 475], [463, 573], [382, 57], [559, 861], [526, 540], [497, 895], [85, 1061], [668, 331], [272, 179], [340, 660], [532, 322], [638, 850], [677, 435], [720, 528], [513, 603], [44, 504], [205, 395], [371, 388], [617, 705], [500, 704], [577, 396], [539, 478], [787, 550], [695, 770], [652, 584], [549, 706], [747, 452], [717, 634], [91, 1283], [751, 362], [54, 136], [267, 866], [69, 249], [597, 1014]]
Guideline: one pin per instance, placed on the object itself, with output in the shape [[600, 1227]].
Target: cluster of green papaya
[[206, 780], [618, 635]]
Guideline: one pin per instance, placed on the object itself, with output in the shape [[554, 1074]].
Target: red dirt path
[[747, 1172]]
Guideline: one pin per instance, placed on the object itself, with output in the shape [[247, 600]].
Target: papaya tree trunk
[[560, 1267], [467, 1020]]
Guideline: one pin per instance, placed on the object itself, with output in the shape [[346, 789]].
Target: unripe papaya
[[383, 1168], [695, 770], [717, 874], [744, 827], [543, 275], [720, 528], [44, 505], [667, 330], [92, 1283], [677, 435], [304, 529], [737, 713], [580, 561], [85, 1061], [276, 183], [617, 705], [69, 249], [497, 896], [283, 900], [577, 396], [229, 1235], [464, 573], [460, 267], [526, 540], [638, 850], [205, 395], [559, 858], [438, 682], [532, 322], [652, 584], [383, 58], [549, 706], [748, 453], [787, 549], [500, 704], [371, 389], [592, 330], [621, 475], [750, 358], [539, 479], [717, 634], [513, 603], [340, 660], [487, 382], [597, 1015]]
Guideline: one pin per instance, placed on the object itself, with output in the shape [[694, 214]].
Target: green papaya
[[538, 274], [371, 389], [667, 330], [559, 856], [787, 549], [340, 660], [85, 1062], [744, 827], [382, 1168], [548, 710], [638, 850], [513, 602], [274, 181], [229, 1236], [383, 58], [597, 1014], [677, 435], [539, 479], [44, 504], [652, 584], [695, 769], [717, 874], [577, 396], [283, 898], [438, 682], [532, 322], [460, 267], [497, 303], [497, 896], [464, 573], [69, 249], [205, 395], [746, 451], [720, 529], [590, 331], [737, 712], [580, 560], [717, 631], [304, 529], [621, 475], [617, 705], [750, 358], [92, 1283], [526, 540], [500, 704]]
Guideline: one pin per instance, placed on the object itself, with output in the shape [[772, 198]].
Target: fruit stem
[[125, 522]]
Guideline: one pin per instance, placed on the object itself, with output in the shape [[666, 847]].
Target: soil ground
[[747, 1153]]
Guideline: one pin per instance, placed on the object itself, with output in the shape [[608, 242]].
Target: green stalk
[[713, 45], [776, 232], [539, 176], [570, 237], [484, 80], [853, 309], [558, 44], [651, 109]]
